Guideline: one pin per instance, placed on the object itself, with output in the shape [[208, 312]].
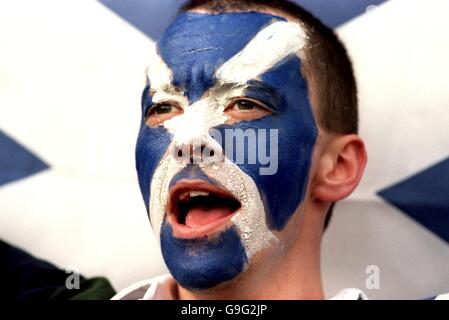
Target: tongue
[[199, 216]]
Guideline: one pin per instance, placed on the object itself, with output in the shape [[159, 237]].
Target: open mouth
[[197, 208]]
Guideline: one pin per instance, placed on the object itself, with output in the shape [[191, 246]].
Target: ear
[[340, 168]]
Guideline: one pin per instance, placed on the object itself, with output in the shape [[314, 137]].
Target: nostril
[[183, 153], [194, 155], [207, 152], [212, 153]]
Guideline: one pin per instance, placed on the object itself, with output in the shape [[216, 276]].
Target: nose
[[190, 154]]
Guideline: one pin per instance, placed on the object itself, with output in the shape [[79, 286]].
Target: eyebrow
[[256, 89], [169, 88]]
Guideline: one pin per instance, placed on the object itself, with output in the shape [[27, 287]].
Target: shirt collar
[[164, 288]]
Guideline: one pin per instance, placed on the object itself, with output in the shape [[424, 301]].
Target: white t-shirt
[[164, 288]]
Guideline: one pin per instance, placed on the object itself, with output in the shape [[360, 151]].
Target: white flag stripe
[[74, 72], [71, 76], [400, 55]]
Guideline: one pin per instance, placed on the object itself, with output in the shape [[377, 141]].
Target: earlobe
[[340, 168]]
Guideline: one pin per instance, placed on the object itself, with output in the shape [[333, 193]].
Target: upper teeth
[[191, 194], [198, 193]]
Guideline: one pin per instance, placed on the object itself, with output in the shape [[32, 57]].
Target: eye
[[244, 105], [163, 109], [246, 109], [160, 112]]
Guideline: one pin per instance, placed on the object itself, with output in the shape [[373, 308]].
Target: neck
[[295, 274]]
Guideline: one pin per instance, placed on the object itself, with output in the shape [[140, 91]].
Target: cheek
[[152, 143], [283, 191]]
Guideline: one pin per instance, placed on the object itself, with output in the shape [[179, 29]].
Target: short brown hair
[[327, 66]]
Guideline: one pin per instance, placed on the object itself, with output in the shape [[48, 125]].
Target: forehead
[[195, 45], [210, 36]]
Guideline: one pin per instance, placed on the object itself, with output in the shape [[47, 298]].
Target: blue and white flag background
[[71, 75]]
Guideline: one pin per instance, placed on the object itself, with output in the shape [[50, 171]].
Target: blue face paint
[[203, 263], [193, 172], [151, 146], [283, 191], [194, 47]]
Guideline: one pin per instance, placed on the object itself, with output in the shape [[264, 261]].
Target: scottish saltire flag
[[71, 76]]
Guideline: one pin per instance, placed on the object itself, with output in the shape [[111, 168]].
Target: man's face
[[226, 140]]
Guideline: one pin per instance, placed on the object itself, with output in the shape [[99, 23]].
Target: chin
[[204, 263]]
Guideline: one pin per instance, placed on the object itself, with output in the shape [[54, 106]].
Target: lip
[[186, 232]]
